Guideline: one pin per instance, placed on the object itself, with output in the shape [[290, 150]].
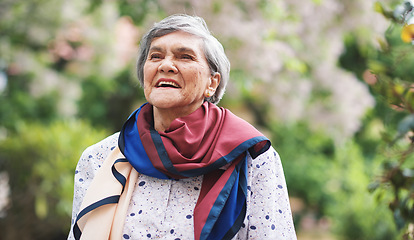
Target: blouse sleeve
[[89, 162], [268, 211]]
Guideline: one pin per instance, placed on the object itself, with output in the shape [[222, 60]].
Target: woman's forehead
[[178, 40]]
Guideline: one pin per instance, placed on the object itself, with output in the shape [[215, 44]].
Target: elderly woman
[[181, 167]]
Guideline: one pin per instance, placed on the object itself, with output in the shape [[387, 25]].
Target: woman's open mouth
[[167, 84]]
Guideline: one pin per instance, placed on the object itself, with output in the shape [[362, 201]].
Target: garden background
[[328, 81]]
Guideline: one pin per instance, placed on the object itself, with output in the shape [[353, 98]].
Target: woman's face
[[176, 73]]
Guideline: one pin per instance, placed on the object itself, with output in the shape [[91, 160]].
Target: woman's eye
[[186, 56], [155, 56]]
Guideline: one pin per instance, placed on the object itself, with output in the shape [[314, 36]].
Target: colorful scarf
[[210, 141]]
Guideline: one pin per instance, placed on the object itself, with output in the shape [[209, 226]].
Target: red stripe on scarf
[[211, 187]]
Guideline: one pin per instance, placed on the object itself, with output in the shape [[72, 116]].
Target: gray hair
[[213, 50]]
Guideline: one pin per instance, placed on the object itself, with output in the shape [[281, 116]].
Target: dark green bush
[[40, 161]]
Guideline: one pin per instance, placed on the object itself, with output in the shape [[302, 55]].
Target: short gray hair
[[213, 50]]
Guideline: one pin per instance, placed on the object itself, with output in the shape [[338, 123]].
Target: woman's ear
[[214, 82], [213, 85]]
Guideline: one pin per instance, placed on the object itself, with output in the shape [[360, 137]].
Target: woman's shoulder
[[105, 144], [96, 153], [267, 153], [268, 160]]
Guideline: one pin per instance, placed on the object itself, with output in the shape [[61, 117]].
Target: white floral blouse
[[163, 209]]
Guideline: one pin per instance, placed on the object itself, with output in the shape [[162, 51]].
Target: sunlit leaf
[[41, 206], [376, 66], [378, 7]]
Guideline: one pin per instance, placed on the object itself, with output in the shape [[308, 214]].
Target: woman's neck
[[162, 123], [164, 117]]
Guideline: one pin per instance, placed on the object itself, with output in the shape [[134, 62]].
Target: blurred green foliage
[[303, 174], [391, 82], [101, 99], [40, 160], [40, 143], [332, 181], [17, 105]]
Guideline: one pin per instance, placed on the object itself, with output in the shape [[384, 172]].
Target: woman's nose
[[167, 65]]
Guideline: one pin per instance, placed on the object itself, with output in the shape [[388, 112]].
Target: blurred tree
[[52, 55], [390, 73], [332, 181], [18, 106], [100, 100], [40, 161]]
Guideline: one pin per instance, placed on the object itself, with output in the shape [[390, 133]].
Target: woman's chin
[[176, 105], [173, 100], [167, 103]]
